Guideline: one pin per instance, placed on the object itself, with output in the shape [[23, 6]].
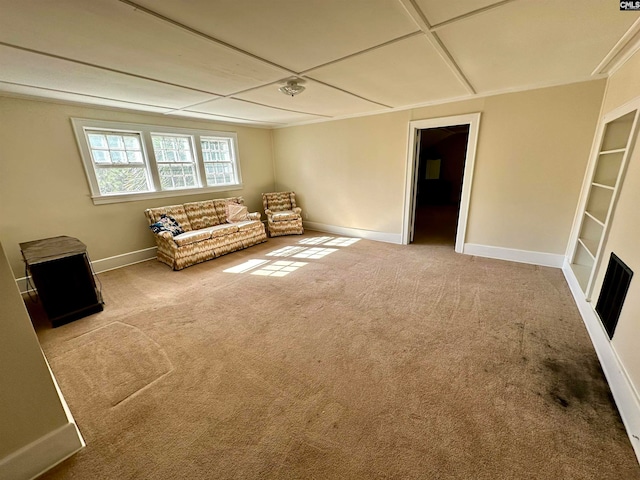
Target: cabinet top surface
[[48, 249]]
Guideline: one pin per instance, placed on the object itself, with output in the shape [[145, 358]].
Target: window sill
[[135, 197]]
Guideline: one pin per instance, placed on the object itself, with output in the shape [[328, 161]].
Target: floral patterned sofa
[[207, 234]]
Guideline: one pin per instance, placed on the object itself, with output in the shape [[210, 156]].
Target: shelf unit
[[605, 176]]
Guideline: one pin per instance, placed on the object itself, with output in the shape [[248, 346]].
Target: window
[[218, 160], [126, 162], [176, 164]]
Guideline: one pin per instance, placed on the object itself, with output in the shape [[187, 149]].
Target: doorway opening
[[440, 164], [439, 175]]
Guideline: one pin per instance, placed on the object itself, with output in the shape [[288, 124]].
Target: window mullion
[[200, 161], [153, 164]]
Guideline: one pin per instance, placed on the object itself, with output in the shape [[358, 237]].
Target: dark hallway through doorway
[[439, 184]]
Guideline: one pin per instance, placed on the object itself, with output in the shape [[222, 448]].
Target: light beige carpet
[[364, 360]]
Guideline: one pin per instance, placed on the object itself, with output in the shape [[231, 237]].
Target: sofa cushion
[[176, 211], [166, 223], [202, 214], [193, 236], [284, 216], [247, 224], [222, 230]]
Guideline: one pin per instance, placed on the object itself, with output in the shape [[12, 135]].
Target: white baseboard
[[118, 261], [109, 263], [39, 456], [623, 391], [355, 232], [514, 255]]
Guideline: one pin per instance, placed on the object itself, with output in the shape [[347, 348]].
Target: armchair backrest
[[279, 201]]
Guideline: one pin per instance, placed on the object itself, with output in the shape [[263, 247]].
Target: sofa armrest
[[267, 211], [297, 210], [254, 216], [165, 239]]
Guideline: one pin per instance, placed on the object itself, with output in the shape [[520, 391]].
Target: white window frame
[[83, 125]]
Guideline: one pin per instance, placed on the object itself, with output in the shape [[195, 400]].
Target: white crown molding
[[621, 52]]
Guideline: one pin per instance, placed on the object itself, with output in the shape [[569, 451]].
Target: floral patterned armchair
[[284, 217]]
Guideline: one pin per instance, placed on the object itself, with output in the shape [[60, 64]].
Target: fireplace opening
[[614, 290]]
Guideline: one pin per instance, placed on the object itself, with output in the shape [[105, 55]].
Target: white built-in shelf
[[615, 150], [582, 273], [599, 216], [600, 185], [590, 245], [599, 195]]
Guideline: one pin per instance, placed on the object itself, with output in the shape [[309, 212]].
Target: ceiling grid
[[225, 60]]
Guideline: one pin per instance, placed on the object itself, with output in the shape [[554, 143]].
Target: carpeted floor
[[341, 360]]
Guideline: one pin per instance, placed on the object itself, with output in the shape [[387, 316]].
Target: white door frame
[[473, 120]]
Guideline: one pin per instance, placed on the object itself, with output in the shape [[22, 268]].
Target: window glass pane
[[175, 176], [122, 180], [115, 141], [101, 156], [118, 156], [183, 143], [135, 157], [131, 143], [97, 141], [170, 155]]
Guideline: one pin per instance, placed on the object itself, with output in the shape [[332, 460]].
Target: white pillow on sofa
[[236, 212]]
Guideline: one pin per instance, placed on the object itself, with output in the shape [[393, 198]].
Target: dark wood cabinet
[[63, 278]]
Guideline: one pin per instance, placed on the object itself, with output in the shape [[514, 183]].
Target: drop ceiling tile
[[403, 73], [529, 43], [22, 90], [437, 11], [115, 35], [317, 99], [296, 34], [31, 69], [241, 109]]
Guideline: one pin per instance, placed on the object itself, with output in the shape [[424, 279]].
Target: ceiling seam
[[366, 50], [256, 57], [421, 20], [472, 13], [251, 102], [108, 69], [198, 33], [84, 94], [348, 92]]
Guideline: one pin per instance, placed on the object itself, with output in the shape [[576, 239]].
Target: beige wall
[[533, 148], [44, 190], [624, 235], [347, 173], [29, 404]]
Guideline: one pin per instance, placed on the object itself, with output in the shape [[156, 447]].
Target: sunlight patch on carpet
[[286, 251], [314, 252], [314, 240], [246, 266], [342, 242], [279, 269]]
